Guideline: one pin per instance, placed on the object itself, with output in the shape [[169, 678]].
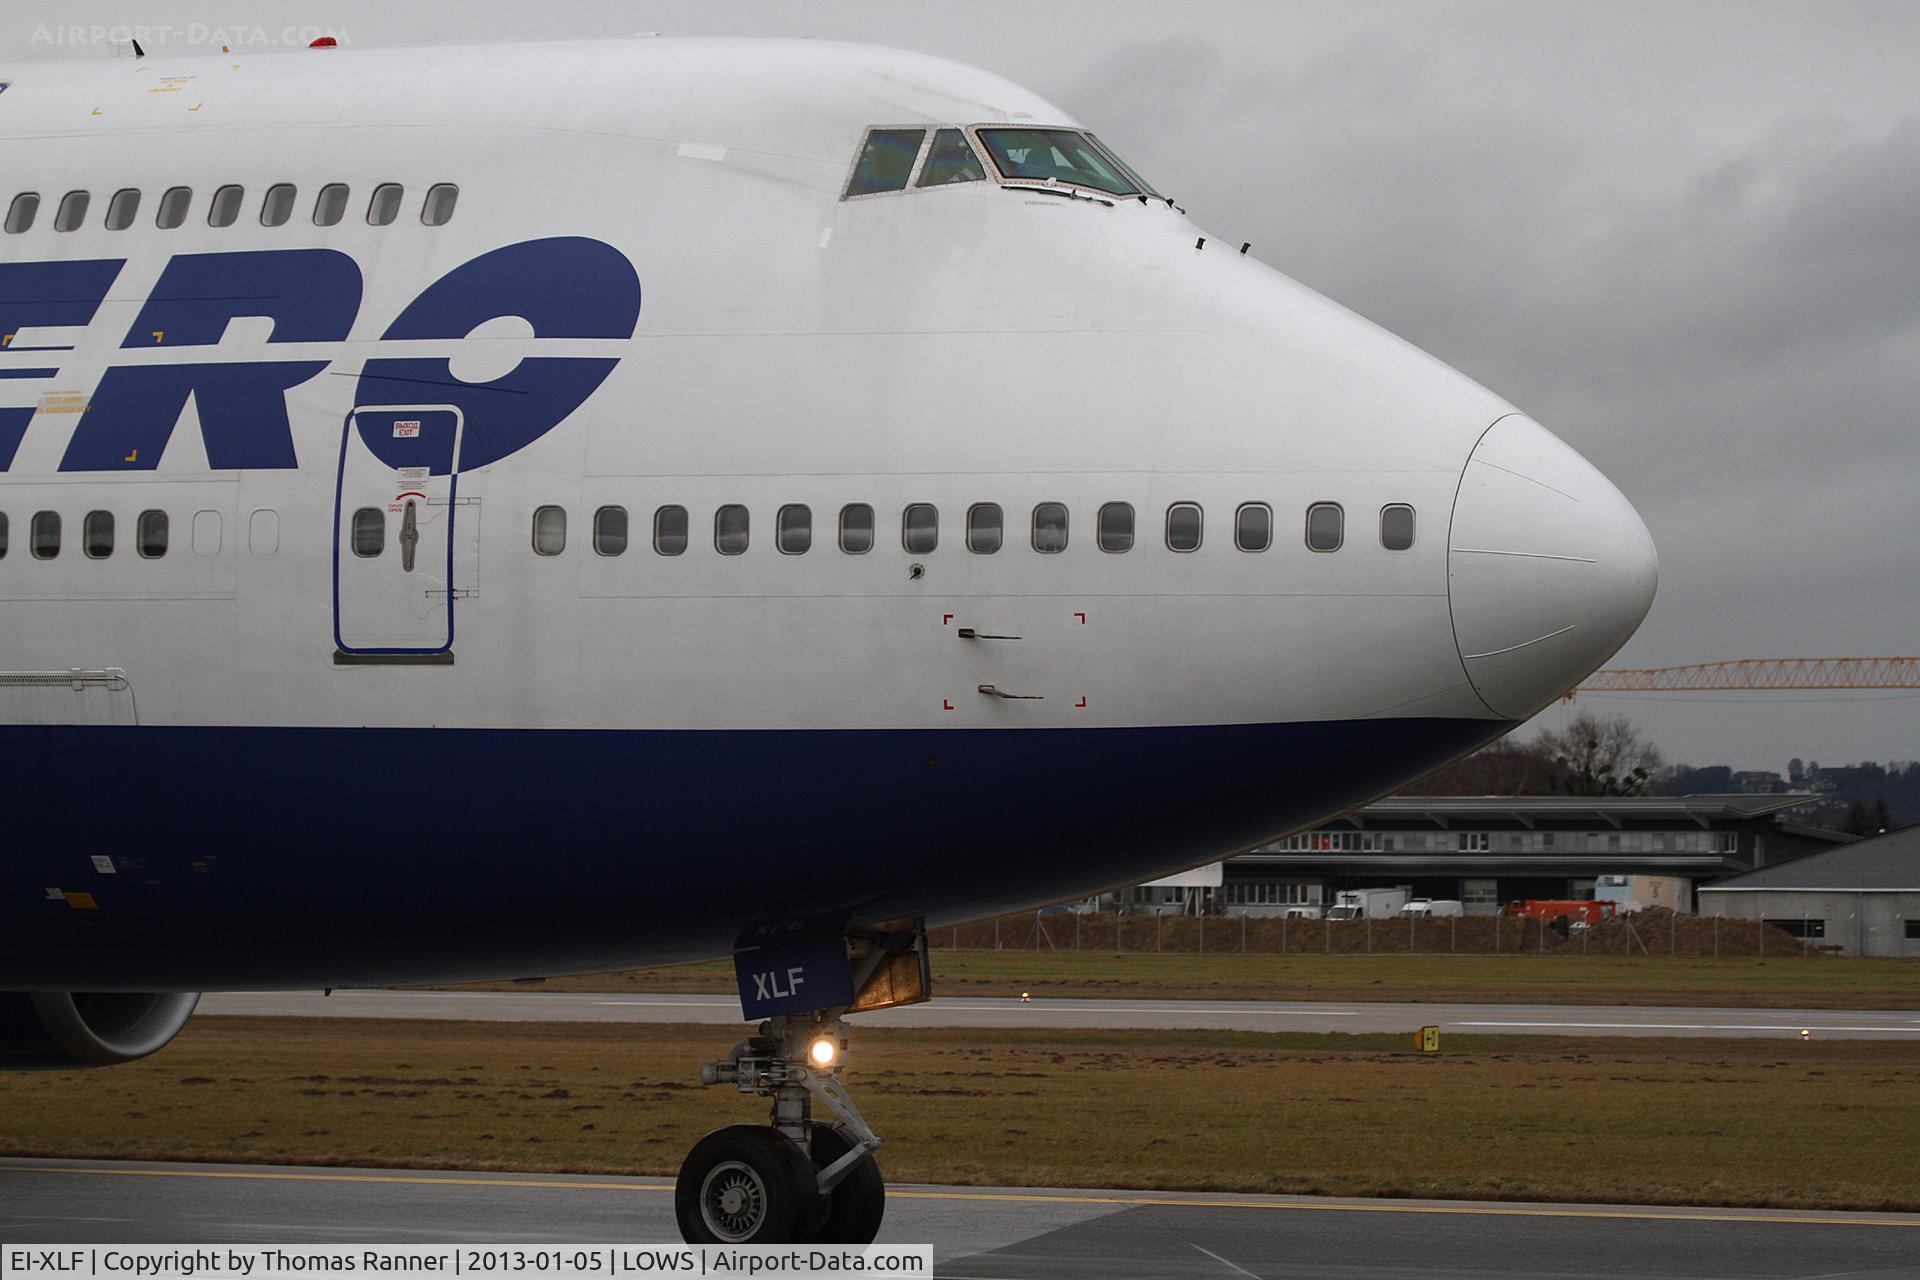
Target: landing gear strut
[[799, 1180]]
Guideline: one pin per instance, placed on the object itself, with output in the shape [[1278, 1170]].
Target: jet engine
[[60, 1030]]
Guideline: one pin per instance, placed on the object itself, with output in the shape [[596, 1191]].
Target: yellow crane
[[1757, 673]]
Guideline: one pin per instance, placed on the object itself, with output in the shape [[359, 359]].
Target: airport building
[[1640, 851], [1862, 899]]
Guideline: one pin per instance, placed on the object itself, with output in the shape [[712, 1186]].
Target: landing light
[[823, 1051]]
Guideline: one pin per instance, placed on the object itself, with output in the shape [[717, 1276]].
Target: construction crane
[[1757, 673]]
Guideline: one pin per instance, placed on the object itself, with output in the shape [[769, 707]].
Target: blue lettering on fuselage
[[564, 286]]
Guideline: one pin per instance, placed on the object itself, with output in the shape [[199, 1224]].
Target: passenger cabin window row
[[984, 528], [45, 529], [277, 207]]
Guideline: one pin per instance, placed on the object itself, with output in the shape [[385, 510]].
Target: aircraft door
[[395, 535]]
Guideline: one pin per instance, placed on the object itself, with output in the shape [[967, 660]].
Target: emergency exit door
[[397, 530]]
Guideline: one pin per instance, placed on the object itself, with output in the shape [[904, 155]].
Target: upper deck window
[[1059, 155], [950, 160], [886, 161]]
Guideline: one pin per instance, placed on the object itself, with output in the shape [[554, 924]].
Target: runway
[[979, 1232], [974, 1011]]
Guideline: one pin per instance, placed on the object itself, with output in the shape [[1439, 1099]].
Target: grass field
[[1826, 1124], [1815, 982]]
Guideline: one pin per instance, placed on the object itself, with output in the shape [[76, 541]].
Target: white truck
[[1362, 904]]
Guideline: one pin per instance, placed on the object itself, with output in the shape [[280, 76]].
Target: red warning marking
[[946, 705], [411, 493], [1082, 617], [945, 618], [1082, 702]]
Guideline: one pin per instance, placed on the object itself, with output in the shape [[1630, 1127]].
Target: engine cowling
[[61, 1030]]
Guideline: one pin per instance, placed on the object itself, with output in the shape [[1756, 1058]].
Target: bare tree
[[1600, 756], [1503, 768]]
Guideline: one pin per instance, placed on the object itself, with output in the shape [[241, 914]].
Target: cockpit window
[[950, 159], [1062, 155], [1123, 166], [886, 161]]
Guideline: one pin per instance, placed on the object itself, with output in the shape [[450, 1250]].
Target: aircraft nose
[[1549, 567]]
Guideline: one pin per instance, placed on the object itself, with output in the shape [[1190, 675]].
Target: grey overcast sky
[[1685, 236]]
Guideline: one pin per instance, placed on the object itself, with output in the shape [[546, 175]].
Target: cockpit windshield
[[1063, 155]]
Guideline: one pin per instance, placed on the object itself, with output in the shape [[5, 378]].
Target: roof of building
[[1611, 809], [1890, 862]]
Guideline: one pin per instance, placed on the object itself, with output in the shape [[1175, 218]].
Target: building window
[[45, 539], [437, 209], [21, 212], [885, 161], [1050, 528], [1325, 526], [384, 207], [96, 535], [1253, 526], [920, 528], [1183, 526], [1802, 927], [1113, 528], [369, 532], [793, 529], [122, 209], [1913, 926], [730, 529], [224, 209], [985, 528], [610, 531], [856, 528], [277, 205], [72, 211], [670, 530], [174, 202], [549, 530], [330, 205], [1396, 527]]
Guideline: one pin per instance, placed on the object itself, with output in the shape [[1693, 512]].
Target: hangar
[[1859, 900]]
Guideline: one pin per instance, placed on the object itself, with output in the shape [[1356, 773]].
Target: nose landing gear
[[799, 1180]]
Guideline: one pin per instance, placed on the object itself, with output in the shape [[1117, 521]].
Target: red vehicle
[[1578, 912]]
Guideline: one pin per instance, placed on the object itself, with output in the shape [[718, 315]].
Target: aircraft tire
[[745, 1184], [851, 1212]]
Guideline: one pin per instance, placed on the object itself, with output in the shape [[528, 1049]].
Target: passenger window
[[1183, 526], [885, 161], [224, 209], [920, 528], [1050, 528], [856, 528], [385, 205], [122, 209], [330, 205], [670, 530], [1325, 526], [730, 529], [21, 212], [96, 535], [206, 534], [949, 160], [3, 535], [277, 205], [549, 530], [437, 210], [793, 530], [45, 542], [369, 532], [150, 535], [1114, 529], [1253, 527], [1396, 526], [72, 211], [263, 532], [985, 528], [610, 531], [173, 207]]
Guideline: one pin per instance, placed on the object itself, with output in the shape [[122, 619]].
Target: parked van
[[1303, 913], [1433, 908]]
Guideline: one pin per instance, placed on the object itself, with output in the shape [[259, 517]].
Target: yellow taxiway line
[[1116, 1200]]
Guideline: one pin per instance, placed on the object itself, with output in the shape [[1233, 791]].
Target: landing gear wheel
[[745, 1185], [851, 1212]]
